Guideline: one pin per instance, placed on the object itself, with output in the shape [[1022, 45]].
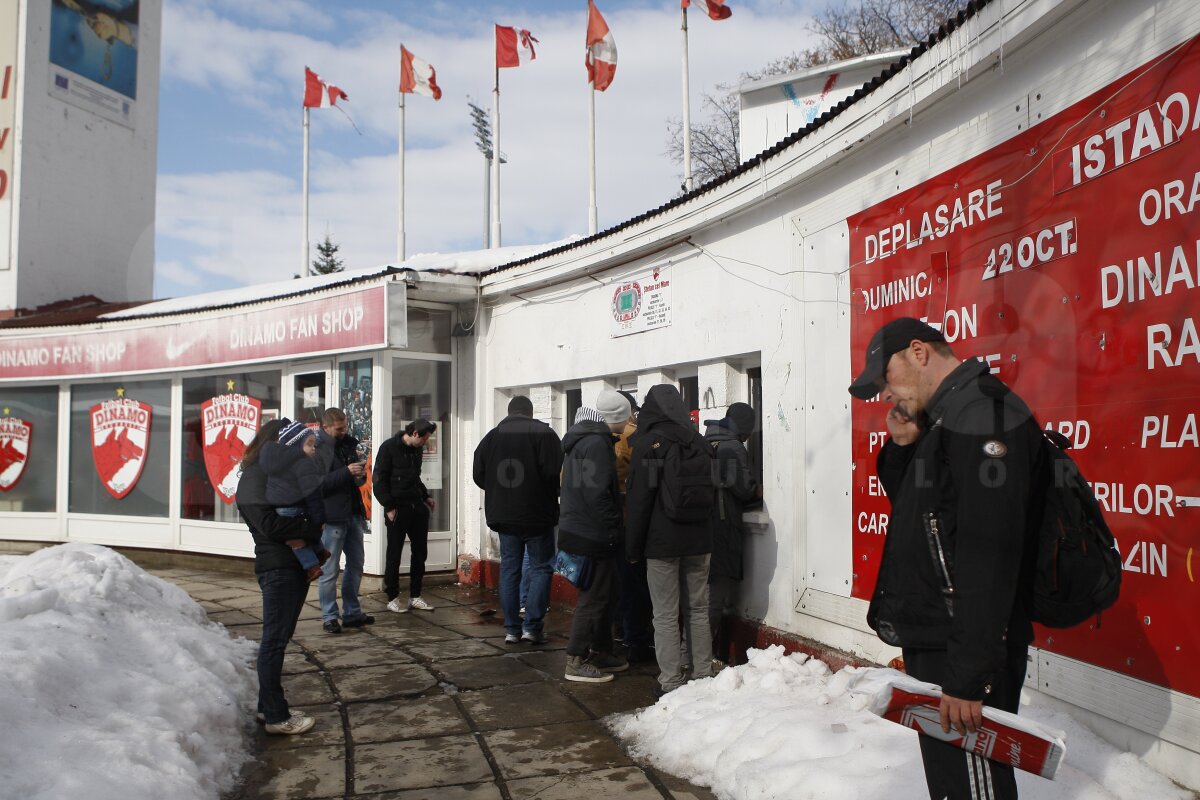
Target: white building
[[1026, 181]]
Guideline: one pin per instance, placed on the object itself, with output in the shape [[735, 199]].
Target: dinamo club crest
[[229, 422], [15, 435], [120, 439], [627, 301]]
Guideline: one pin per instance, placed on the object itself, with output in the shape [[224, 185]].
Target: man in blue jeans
[[345, 522], [517, 465]]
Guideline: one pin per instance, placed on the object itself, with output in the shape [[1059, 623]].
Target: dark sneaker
[[583, 672], [607, 662], [533, 638], [511, 638], [358, 622], [332, 626]]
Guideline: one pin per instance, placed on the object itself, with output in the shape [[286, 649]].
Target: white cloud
[[244, 227]]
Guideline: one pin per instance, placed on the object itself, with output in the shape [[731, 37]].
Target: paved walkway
[[435, 705]]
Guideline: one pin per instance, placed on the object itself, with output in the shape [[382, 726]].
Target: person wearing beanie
[[294, 485], [407, 505], [590, 525], [737, 491]]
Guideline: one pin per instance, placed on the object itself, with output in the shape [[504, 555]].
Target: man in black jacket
[[589, 525], [345, 521], [737, 490], [965, 472], [676, 552], [406, 505], [517, 465]]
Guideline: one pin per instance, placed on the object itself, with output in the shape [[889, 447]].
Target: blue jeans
[[524, 579], [283, 593], [339, 537], [513, 548]]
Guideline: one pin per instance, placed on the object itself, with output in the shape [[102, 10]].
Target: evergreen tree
[[327, 260]]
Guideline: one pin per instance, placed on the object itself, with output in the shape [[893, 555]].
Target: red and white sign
[[354, 320], [15, 435], [228, 423], [1068, 260], [120, 441]]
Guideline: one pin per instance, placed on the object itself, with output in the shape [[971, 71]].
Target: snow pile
[[783, 726], [114, 684]]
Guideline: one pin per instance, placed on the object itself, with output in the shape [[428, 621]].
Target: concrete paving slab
[[628, 783], [295, 663], [307, 689], [464, 595], [367, 654], [251, 632], [233, 617], [550, 662], [681, 789], [251, 604], [329, 730], [378, 683], [483, 629], [520, 706], [404, 634], [304, 773], [420, 763], [555, 749], [415, 718], [454, 615], [334, 643], [210, 607], [627, 692], [476, 791], [481, 673], [460, 648], [212, 593]]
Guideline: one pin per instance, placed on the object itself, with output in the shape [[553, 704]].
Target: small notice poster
[[641, 303]]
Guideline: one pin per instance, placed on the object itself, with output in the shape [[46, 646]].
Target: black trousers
[[591, 629], [953, 773], [412, 520]]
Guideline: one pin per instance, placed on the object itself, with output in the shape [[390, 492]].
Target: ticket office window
[[28, 448], [120, 448], [422, 389], [355, 392], [221, 414]]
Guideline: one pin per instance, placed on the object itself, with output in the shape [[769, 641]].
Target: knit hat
[[613, 406], [585, 414], [293, 432], [743, 418]]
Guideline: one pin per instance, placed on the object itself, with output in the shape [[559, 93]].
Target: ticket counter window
[[28, 448], [355, 393], [221, 414], [422, 389], [120, 449]]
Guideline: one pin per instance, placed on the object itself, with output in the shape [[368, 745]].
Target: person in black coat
[[676, 553], [517, 465], [590, 525], [282, 580], [406, 502], [737, 490]]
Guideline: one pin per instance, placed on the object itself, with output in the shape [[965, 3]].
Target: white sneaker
[[395, 605], [297, 723], [419, 604]]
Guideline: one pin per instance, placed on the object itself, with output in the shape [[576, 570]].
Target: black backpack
[[1078, 565], [686, 480]]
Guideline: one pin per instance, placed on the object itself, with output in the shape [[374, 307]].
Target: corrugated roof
[[76, 311], [935, 37]]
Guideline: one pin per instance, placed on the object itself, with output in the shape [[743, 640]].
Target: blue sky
[[230, 136]]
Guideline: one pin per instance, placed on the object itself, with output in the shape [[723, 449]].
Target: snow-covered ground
[[113, 684], [783, 727]]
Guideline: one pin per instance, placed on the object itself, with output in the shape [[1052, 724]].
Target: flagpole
[[400, 235], [592, 157], [687, 107], [304, 190], [496, 160]]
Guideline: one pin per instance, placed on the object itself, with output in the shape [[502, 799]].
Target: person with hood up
[[675, 544], [737, 490], [590, 525]]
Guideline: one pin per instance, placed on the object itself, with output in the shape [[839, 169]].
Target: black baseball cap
[[887, 341]]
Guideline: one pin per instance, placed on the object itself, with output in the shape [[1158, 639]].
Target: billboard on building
[[94, 56], [1067, 258]]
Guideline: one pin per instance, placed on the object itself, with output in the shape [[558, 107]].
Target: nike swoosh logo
[[174, 351]]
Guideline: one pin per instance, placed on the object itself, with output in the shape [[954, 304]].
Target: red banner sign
[[228, 423], [120, 441], [1068, 259], [15, 436], [333, 323]]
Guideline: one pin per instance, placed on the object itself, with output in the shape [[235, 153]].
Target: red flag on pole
[[716, 8], [318, 94], [417, 76], [514, 46], [601, 59]]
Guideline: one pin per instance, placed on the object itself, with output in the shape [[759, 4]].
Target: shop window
[[689, 389], [221, 414], [28, 448], [428, 331], [422, 389], [120, 448], [354, 395], [755, 445]]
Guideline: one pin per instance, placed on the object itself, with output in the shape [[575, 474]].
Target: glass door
[[421, 389], [310, 394]]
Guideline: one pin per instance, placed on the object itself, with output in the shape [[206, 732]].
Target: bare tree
[[845, 30]]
